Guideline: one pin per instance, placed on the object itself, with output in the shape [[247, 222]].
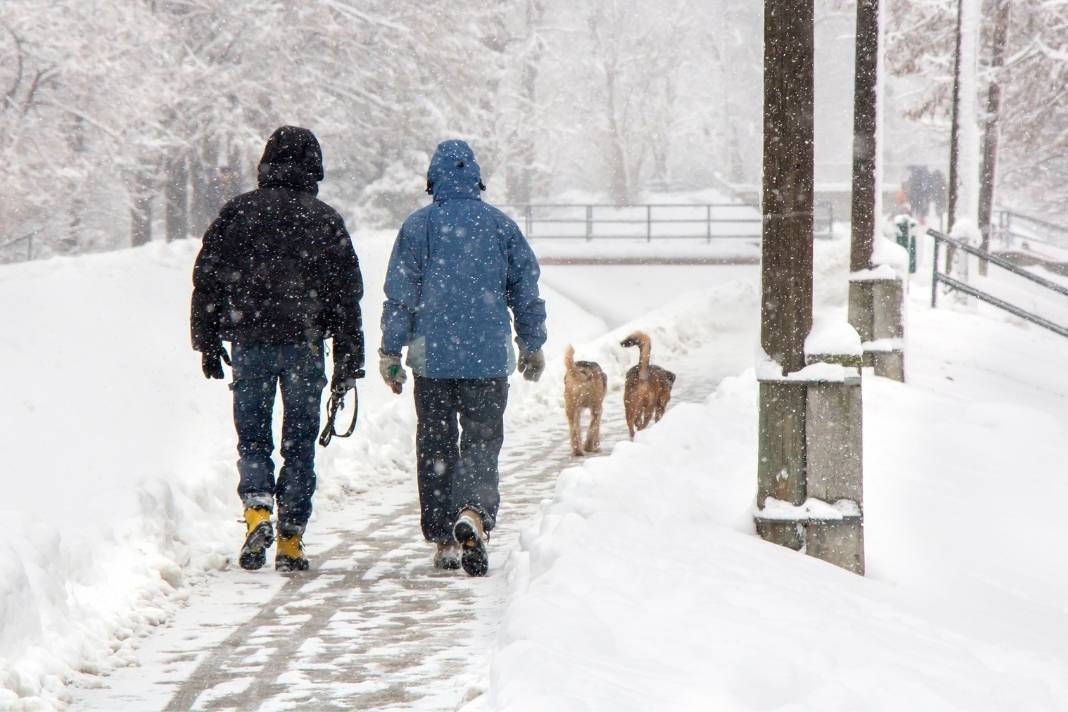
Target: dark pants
[[259, 369], [458, 461]]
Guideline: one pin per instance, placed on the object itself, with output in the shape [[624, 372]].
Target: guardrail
[[1012, 225], [938, 277], [19, 246], [708, 221]]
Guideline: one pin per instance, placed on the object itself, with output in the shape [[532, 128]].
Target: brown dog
[[647, 389], [585, 385]]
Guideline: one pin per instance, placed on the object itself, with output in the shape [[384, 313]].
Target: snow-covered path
[[373, 626]]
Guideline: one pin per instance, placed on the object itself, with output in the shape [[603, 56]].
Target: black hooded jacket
[[277, 265]]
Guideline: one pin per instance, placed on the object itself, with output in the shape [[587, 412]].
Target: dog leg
[[593, 435], [641, 419], [661, 405], [574, 424]]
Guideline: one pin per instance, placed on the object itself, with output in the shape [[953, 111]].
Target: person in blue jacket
[[458, 267]]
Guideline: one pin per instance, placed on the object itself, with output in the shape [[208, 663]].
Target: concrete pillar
[[876, 311], [834, 438], [823, 514]]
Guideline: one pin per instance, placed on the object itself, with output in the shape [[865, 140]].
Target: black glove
[[531, 364], [346, 371], [211, 361]]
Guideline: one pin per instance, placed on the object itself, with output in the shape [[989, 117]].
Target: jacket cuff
[[204, 343]]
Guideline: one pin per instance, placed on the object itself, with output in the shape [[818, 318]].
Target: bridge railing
[[939, 277], [652, 221], [18, 249], [1016, 227]]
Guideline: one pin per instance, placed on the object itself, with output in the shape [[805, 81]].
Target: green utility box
[[907, 239]]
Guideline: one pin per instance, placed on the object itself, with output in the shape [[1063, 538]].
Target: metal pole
[[954, 143], [934, 275], [708, 223], [648, 223], [29, 248], [589, 223], [529, 214], [988, 169]]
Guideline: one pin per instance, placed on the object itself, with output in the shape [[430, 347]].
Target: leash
[[335, 403]]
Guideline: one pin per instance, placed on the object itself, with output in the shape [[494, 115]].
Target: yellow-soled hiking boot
[[471, 536], [259, 535], [290, 554]]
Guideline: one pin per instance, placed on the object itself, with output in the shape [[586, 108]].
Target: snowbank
[[118, 464], [644, 587]]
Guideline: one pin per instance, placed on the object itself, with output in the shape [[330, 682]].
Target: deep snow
[[119, 456], [119, 460], [642, 585]]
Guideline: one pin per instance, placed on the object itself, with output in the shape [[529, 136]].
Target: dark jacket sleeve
[[344, 318], [209, 296], [526, 304]]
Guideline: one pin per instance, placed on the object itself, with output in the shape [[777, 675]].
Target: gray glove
[[531, 364], [389, 365]]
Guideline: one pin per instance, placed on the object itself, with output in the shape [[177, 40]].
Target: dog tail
[[569, 358], [644, 344]]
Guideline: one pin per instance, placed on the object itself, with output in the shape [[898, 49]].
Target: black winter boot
[[471, 536]]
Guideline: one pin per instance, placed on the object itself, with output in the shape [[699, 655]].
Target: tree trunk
[[865, 148], [617, 155], [521, 170], [204, 179], [141, 210], [786, 274], [786, 265], [954, 143], [988, 170], [176, 197]]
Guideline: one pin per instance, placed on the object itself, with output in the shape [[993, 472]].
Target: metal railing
[[20, 247], [938, 277], [1011, 226], [653, 221]]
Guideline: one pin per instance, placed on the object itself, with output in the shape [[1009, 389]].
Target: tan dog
[[647, 389], [585, 385]]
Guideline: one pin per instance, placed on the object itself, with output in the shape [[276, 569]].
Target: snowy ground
[[642, 585], [639, 585], [119, 457]]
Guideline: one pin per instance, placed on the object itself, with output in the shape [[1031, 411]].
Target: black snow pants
[[457, 462]]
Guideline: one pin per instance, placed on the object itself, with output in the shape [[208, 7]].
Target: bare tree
[[988, 169]]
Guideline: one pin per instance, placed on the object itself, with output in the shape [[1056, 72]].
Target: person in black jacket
[[276, 276]]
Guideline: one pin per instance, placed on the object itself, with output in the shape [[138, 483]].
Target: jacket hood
[[453, 172], [293, 158]]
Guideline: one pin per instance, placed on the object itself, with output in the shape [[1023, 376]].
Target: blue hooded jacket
[[457, 267]]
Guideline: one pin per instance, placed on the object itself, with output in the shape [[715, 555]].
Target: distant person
[[276, 275], [901, 204], [938, 193], [917, 187], [458, 266]]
